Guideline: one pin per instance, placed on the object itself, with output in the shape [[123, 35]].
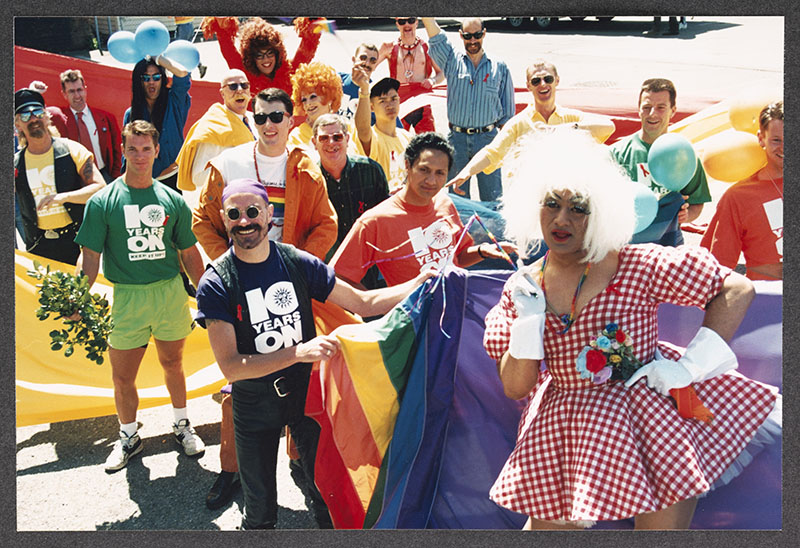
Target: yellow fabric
[[522, 123], [388, 152], [373, 385], [41, 180], [52, 388], [218, 126]]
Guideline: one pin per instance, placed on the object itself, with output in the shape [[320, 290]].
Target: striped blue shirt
[[476, 96]]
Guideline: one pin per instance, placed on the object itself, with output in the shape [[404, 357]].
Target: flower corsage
[[610, 357]]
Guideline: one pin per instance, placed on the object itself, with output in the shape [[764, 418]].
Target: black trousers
[[259, 415]]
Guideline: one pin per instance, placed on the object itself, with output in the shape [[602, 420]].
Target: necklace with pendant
[[568, 319]]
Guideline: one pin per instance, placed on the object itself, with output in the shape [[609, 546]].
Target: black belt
[[473, 130], [56, 233]]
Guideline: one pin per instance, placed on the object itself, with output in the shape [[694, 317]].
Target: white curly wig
[[560, 158]]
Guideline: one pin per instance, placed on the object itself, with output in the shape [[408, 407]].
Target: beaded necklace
[[568, 319]]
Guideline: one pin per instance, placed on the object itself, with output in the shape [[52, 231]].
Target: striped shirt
[[476, 96]]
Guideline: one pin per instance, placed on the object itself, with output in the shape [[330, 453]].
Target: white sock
[[129, 428], [179, 414]]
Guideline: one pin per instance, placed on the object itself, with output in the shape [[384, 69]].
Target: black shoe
[[222, 490]]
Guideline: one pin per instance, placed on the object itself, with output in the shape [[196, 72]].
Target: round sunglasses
[[234, 213]]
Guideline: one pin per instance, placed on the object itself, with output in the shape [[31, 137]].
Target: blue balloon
[[645, 204], [122, 47], [152, 38], [183, 52], [672, 161]]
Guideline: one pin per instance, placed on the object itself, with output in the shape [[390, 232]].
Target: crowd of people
[[311, 186]]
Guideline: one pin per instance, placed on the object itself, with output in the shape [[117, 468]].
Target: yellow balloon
[[732, 155], [746, 107]]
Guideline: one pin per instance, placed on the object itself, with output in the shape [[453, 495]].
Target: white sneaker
[[124, 449], [188, 438]]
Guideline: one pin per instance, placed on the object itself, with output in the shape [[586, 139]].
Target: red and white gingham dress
[[604, 452]]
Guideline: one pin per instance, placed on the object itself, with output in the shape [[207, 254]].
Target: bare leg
[[677, 516], [170, 354], [124, 367]]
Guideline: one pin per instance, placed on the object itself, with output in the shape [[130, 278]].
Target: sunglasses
[[237, 85], [261, 54], [408, 21], [234, 213], [276, 117], [148, 77], [325, 137], [549, 79], [25, 116], [470, 35]]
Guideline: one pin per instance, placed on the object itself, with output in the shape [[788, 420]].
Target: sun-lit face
[[473, 45], [273, 136], [246, 232], [771, 140], [386, 106], [266, 61], [564, 218], [408, 29], [238, 99], [75, 94], [366, 59], [655, 112], [151, 85], [314, 106], [36, 126], [426, 177], [331, 144], [140, 153], [544, 93]]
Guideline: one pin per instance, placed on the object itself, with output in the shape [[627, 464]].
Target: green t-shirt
[[138, 230], [631, 153]]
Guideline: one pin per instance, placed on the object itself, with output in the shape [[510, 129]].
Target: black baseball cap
[[383, 86], [26, 100]]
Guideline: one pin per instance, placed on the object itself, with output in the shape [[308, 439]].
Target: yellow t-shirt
[[522, 123], [40, 172], [388, 152]]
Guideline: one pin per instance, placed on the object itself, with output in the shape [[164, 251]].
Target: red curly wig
[[255, 35], [318, 78]]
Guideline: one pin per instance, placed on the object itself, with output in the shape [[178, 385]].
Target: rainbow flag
[[415, 425]]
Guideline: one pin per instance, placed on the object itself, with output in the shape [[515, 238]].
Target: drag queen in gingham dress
[[587, 451]]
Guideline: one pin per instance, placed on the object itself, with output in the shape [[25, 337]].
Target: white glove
[[527, 331], [707, 356]]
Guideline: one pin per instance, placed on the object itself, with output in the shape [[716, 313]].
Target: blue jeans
[[465, 147], [184, 31]]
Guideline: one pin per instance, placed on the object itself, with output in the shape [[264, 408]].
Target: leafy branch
[[65, 295]]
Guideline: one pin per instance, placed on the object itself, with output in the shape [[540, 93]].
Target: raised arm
[[363, 109]]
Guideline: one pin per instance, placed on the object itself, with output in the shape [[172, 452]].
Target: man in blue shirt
[[480, 98]]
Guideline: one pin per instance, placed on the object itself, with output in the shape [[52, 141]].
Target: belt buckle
[[278, 391], [50, 234], [471, 131]]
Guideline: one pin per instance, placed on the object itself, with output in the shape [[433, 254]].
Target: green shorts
[[160, 309]]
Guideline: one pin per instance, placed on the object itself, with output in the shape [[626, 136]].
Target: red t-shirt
[[402, 239], [749, 220]]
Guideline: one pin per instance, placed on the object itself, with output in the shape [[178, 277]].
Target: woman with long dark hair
[[166, 107], [261, 53]]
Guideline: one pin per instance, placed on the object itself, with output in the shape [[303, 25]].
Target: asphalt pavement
[[60, 481]]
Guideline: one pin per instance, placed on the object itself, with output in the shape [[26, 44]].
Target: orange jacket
[[309, 218]]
